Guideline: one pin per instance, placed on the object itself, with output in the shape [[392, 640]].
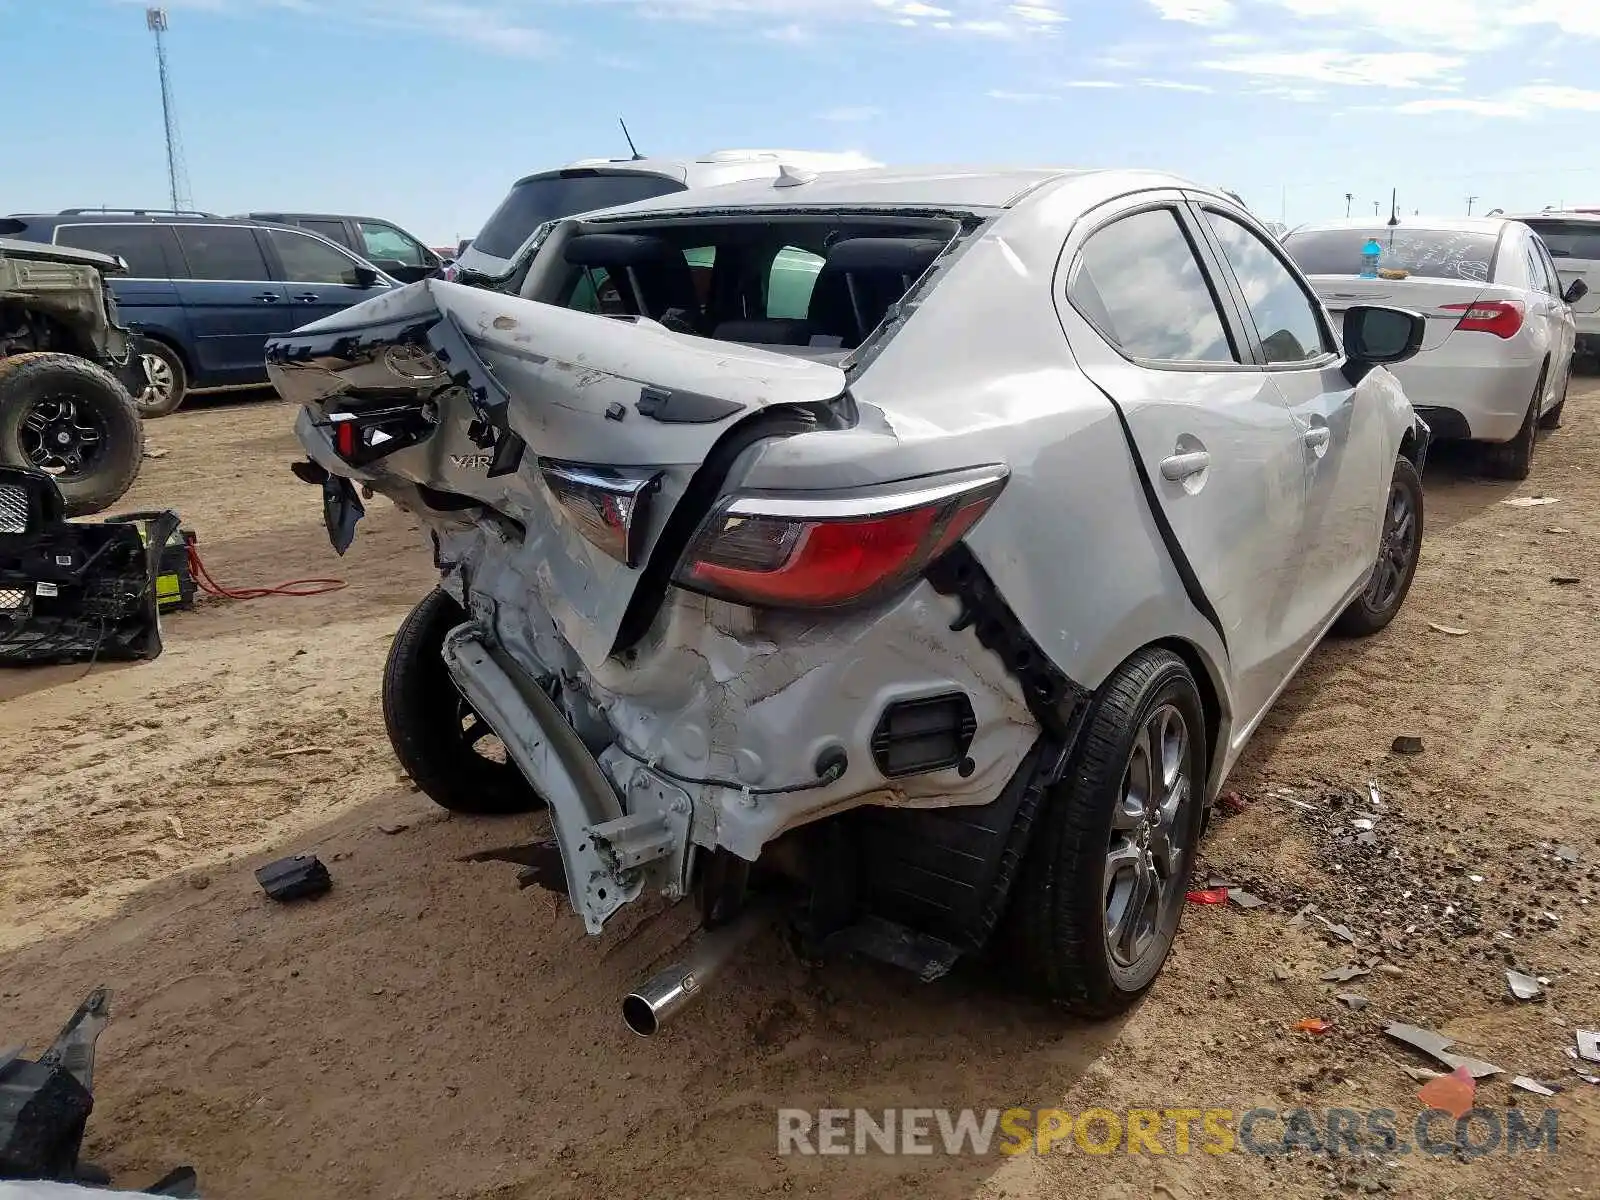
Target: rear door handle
[[1317, 437], [1182, 466], [308, 297], [268, 297]]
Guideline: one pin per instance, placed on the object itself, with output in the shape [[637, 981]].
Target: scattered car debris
[[1557, 529], [1280, 972], [299, 877], [1452, 630], [1437, 1046], [294, 751], [1299, 918], [155, 452], [1216, 895], [1452, 1093], [1532, 1085], [1245, 899], [1364, 823], [1422, 1074], [1354, 999], [1528, 501], [1523, 987], [1589, 1045], [1313, 1025], [1232, 803], [1342, 932], [1566, 854], [1565, 579], [1407, 744], [1345, 974], [1372, 792]]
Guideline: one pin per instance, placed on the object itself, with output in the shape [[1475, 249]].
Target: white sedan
[[1497, 356]]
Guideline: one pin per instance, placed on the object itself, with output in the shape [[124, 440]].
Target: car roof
[[962, 188], [1582, 218], [717, 167], [50, 251], [89, 217], [1486, 225]]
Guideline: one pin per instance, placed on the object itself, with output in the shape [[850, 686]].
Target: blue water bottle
[[1369, 259]]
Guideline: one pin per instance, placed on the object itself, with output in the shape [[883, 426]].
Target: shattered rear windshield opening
[[548, 198], [1425, 253]]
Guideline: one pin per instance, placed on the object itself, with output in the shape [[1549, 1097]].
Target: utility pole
[[1470, 201], [1374, 208], [155, 20], [1349, 199]]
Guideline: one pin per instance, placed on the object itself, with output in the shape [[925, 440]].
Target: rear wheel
[[1097, 904], [446, 748], [168, 381], [1514, 459], [1399, 551], [71, 419]]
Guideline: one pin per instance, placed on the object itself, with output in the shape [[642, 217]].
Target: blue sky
[[424, 111]]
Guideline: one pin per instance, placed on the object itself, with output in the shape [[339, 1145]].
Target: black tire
[[1399, 551], [46, 396], [1057, 922], [166, 392], [1552, 418], [1514, 459], [435, 733]]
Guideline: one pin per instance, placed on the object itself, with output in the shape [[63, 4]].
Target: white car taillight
[[608, 505], [1503, 318], [798, 551]]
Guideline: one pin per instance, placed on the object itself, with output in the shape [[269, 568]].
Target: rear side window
[[1569, 239], [334, 231], [1285, 317], [1537, 276], [306, 260], [548, 198], [1426, 253], [790, 281], [1138, 281], [226, 252], [150, 251]]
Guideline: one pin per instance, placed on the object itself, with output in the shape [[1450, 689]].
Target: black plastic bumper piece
[[1446, 423], [75, 590], [299, 877], [45, 1104]]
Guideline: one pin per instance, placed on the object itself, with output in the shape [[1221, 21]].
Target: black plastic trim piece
[[944, 725], [684, 408]]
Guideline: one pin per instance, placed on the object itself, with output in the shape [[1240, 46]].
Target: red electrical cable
[[294, 587]]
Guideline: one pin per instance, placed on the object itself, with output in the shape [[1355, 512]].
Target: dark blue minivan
[[204, 293]]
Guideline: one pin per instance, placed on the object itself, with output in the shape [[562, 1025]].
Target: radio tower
[[155, 20]]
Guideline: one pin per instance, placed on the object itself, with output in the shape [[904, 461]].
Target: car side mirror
[[1378, 336], [366, 276], [1576, 290]]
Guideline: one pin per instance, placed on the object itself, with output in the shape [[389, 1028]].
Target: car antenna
[[1394, 206], [634, 149]]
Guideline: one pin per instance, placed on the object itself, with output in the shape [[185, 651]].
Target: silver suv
[[941, 605], [1573, 239]]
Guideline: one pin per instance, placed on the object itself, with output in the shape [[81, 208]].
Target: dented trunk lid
[[578, 390]]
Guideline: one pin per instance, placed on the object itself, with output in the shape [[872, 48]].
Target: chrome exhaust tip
[[668, 992]]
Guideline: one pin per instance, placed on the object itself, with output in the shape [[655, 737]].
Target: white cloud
[[850, 113], [1021, 97], [1399, 69], [1195, 12], [1037, 14], [1440, 104], [1092, 83], [1526, 101], [1174, 85]]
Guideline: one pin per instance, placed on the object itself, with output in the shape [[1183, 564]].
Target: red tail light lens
[[1503, 318], [794, 551]]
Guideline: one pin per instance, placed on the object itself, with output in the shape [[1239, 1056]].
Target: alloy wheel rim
[[1145, 861], [1395, 551], [59, 438], [158, 372]]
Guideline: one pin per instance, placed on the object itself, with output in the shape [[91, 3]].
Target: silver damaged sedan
[[910, 551]]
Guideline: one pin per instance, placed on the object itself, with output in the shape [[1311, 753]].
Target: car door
[[1342, 443], [1564, 320], [1220, 453], [321, 278], [232, 303], [396, 251]]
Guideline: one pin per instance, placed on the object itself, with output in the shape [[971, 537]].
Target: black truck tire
[[435, 734], [71, 418]]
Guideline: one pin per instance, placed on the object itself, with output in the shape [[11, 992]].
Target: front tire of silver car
[[1399, 551], [1101, 892]]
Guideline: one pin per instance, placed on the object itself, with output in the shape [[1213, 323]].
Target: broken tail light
[[608, 505], [1503, 318], [823, 551]]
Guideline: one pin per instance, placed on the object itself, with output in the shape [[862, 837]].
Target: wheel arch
[[172, 342]]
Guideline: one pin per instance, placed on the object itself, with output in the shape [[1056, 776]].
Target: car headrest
[[904, 256], [618, 250]]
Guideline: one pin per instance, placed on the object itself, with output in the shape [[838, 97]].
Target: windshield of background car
[[1424, 253], [549, 198], [1569, 239]]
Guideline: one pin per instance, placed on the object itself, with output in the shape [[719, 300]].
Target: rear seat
[[859, 280], [651, 275]]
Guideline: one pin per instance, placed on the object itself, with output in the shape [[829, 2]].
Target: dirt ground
[[428, 1030]]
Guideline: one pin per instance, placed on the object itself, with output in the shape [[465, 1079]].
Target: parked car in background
[[1497, 358], [1014, 529], [399, 254], [1573, 240], [595, 183], [68, 371], [204, 293]]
